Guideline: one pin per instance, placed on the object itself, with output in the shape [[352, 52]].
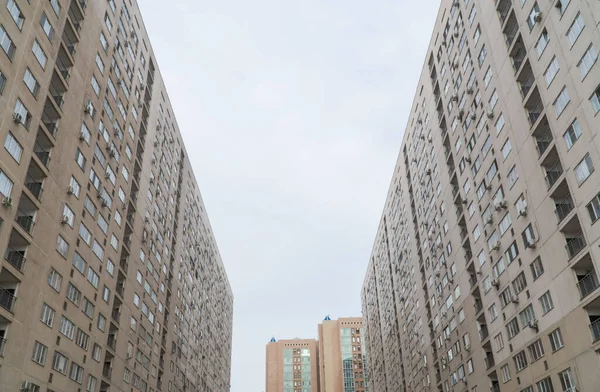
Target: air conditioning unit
[[468, 159], [496, 246], [106, 175], [499, 204], [456, 33], [70, 190], [17, 118], [489, 220], [444, 42], [455, 97], [156, 144], [470, 90], [537, 17], [428, 172], [87, 109], [128, 356], [530, 244], [104, 203], [82, 136], [473, 116], [533, 324], [495, 283], [112, 153], [468, 347], [65, 219], [558, 4], [430, 139], [142, 86], [515, 300], [7, 202], [419, 121], [522, 211], [490, 114]]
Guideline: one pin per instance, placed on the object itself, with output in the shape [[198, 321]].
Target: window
[[545, 385], [476, 35], [39, 353], [481, 190], [505, 370], [567, 381], [513, 328], [537, 268], [472, 15], [595, 99], [587, 61], [38, 52], [536, 350], [556, 340], [67, 327], [74, 187], [15, 13], [46, 26], [482, 54], [546, 302], [59, 363], [47, 315], [54, 280], [505, 297], [88, 308], [2, 82], [73, 294], [80, 159], [13, 147], [527, 315], [68, 216], [520, 361], [476, 233], [506, 149], [551, 71], [572, 134], [55, 6], [96, 352], [62, 246], [76, 373], [575, 29], [534, 14], [79, 263], [542, 42], [106, 294], [505, 224], [513, 176], [31, 82], [498, 269], [85, 234], [82, 339], [101, 322], [488, 77], [584, 168], [126, 375], [93, 277], [22, 114], [95, 86], [520, 283], [91, 384], [493, 312], [99, 63], [6, 43], [110, 267], [561, 101]]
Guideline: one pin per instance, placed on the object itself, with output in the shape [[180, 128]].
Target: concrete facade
[[292, 366], [484, 271], [342, 362], [111, 278]]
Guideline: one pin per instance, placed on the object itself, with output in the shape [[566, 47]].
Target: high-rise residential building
[[483, 274], [292, 365], [342, 361], [111, 278]]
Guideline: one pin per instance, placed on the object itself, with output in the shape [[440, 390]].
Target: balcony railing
[[112, 341], [15, 257], [34, 186], [575, 245], [120, 289], [57, 96], [25, 221], [543, 142], [553, 174], [42, 153], [527, 84], [483, 334], [477, 304], [511, 33], [489, 361], [495, 388], [595, 328], [534, 112], [563, 208], [587, 284], [50, 123], [2, 344], [7, 299], [518, 58], [107, 371]]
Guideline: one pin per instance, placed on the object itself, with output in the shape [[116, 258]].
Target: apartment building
[[111, 278], [292, 365], [342, 362], [484, 271]]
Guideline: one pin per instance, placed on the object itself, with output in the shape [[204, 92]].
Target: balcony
[[57, 91], [7, 299], [70, 39], [489, 361], [107, 371], [587, 284], [483, 333], [518, 54], [575, 244], [534, 107], [50, 118], [64, 64], [16, 257], [563, 208], [553, 173], [35, 185], [112, 341], [526, 81], [2, 344], [26, 220], [503, 8], [543, 136], [511, 31]]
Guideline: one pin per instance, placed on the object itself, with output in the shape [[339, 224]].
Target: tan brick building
[[292, 365], [111, 278], [342, 361], [483, 275]]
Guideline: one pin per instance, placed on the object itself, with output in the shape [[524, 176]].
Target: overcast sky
[[293, 114]]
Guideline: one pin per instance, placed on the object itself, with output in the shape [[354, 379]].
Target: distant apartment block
[[111, 279], [292, 365], [484, 271]]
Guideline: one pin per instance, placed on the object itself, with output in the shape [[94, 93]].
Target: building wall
[[145, 281], [339, 341], [457, 261], [276, 361]]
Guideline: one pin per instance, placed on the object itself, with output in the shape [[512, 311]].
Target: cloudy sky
[[293, 114]]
